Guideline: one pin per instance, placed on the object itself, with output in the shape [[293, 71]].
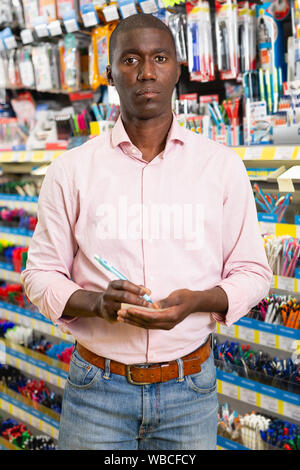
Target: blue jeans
[[104, 411]]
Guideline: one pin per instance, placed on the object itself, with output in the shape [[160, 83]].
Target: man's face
[[144, 71]]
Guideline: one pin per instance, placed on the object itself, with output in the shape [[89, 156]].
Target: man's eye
[[160, 59], [130, 60]]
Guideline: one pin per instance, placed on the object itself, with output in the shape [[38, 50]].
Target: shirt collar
[[119, 134]]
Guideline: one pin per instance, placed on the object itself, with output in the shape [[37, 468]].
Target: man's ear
[[109, 75]]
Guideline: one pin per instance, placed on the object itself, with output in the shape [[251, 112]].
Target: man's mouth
[[147, 93]]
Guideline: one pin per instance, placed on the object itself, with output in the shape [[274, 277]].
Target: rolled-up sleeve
[[47, 277], [246, 275]]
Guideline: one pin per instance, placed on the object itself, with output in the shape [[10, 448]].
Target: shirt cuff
[[56, 298], [237, 303]]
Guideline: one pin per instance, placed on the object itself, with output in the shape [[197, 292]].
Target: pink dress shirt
[[187, 220]]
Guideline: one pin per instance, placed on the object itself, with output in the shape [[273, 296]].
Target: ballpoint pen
[[113, 270]]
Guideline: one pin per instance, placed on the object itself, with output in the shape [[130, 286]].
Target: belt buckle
[[129, 378]]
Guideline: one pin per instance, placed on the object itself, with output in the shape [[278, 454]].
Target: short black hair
[[140, 20]]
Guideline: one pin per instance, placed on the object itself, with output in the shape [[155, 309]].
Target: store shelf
[[268, 398], [7, 273], [269, 152], [280, 229], [34, 320], [29, 156], [18, 236], [290, 284], [258, 332], [29, 415], [254, 152], [43, 410], [14, 201], [6, 445], [39, 365]]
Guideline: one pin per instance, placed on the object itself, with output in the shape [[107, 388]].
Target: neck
[[148, 135]]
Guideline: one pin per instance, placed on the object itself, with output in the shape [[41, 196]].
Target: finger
[[142, 317], [127, 298], [164, 303], [137, 321], [119, 284]]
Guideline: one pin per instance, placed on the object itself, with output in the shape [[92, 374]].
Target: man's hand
[[179, 304], [119, 292]]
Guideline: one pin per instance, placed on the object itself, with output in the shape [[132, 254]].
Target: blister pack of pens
[[227, 38], [177, 23], [98, 53], [200, 47], [246, 37]]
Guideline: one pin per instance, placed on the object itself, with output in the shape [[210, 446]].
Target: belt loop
[[180, 370], [106, 374]]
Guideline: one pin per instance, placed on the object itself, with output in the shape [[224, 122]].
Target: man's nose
[[147, 70]]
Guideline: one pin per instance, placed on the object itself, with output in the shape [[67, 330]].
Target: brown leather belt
[[160, 372]]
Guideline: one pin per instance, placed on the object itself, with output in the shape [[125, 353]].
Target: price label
[[269, 403], [55, 433], [284, 153], [286, 283], [43, 374], [227, 330], [292, 411], [19, 413], [246, 333], [267, 227], [41, 30], [3, 358], [248, 396], [148, 6], [55, 28], [26, 36], [71, 25], [253, 153], [5, 405], [35, 422], [89, 19], [111, 13], [267, 339], [47, 428], [10, 42], [128, 10], [229, 389], [13, 361], [63, 382], [287, 344]]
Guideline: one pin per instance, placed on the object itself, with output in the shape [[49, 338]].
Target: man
[[174, 212]]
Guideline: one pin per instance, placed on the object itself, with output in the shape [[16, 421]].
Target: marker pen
[[113, 270]]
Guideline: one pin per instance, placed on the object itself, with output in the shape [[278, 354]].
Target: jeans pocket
[[204, 381], [82, 374]]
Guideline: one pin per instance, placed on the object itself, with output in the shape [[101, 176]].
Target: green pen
[[261, 84], [76, 125], [268, 87], [275, 90], [292, 444]]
